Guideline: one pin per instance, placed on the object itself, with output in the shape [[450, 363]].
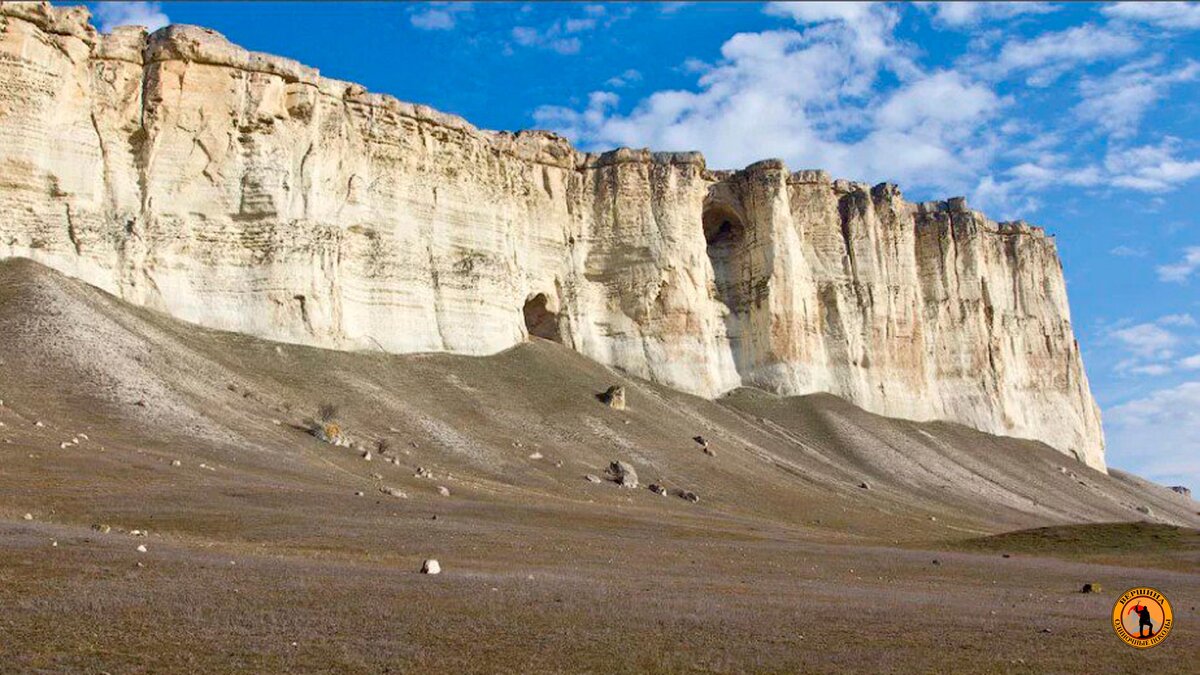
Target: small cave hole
[[540, 321]]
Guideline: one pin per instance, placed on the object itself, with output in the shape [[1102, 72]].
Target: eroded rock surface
[[245, 192]]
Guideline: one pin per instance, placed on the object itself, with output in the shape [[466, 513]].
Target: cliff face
[[245, 192]]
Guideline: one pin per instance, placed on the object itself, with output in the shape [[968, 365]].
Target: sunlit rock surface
[[245, 192]]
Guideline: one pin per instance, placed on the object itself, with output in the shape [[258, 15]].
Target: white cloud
[[1123, 251], [811, 97], [578, 25], [971, 14], [624, 79], [1177, 320], [551, 39], [564, 35], [1147, 168], [1051, 55], [1158, 434], [1190, 363], [438, 15], [113, 14], [432, 19], [1150, 168], [1117, 102], [1147, 340], [1180, 272], [1151, 369], [1169, 15], [868, 24]]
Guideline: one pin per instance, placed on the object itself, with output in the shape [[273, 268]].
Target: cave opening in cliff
[[724, 233], [539, 320]]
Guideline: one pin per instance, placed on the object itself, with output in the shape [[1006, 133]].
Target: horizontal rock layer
[[246, 192]]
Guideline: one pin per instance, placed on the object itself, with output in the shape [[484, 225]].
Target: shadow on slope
[[512, 436]]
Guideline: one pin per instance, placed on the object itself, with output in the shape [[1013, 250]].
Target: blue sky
[[1081, 118]]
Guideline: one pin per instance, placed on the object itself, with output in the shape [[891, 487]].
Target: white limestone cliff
[[244, 192]]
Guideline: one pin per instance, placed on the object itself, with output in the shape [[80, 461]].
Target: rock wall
[[245, 192]]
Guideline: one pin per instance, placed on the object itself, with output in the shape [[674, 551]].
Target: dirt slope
[[783, 542]]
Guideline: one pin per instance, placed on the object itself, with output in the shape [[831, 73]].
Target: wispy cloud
[[625, 79], [972, 14], [1168, 15], [1159, 433], [113, 14], [1147, 340], [565, 35], [1117, 102], [438, 15], [1181, 271], [1050, 55], [1123, 251]]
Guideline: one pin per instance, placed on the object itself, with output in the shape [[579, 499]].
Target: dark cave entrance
[[539, 320], [725, 235]]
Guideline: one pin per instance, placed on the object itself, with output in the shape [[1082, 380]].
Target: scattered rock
[[1006, 555], [176, 462], [658, 489], [623, 474], [1179, 489], [535, 455], [141, 548], [933, 519], [366, 456], [394, 492], [593, 479], [701, 440], [1091, 588], [431, 566], [377, 476], [38, 423], [1145, 509], [936, 561], [102, 528], [614, 397], [358, 493], [63, 446], [138, 533], [28, 516], [422, 472], [443, 491], [330, 432], [690, 496], [865, 485]]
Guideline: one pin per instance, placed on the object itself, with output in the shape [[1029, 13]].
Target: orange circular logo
[[1142, 617]]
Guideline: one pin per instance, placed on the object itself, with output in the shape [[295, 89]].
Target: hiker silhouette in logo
[[1144, 622]]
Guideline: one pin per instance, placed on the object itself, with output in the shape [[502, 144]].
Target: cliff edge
[[245, 192]]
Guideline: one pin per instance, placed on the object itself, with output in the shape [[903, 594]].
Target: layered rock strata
[[245, 192]]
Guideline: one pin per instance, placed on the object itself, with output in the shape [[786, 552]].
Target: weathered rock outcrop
[[245, 192]]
